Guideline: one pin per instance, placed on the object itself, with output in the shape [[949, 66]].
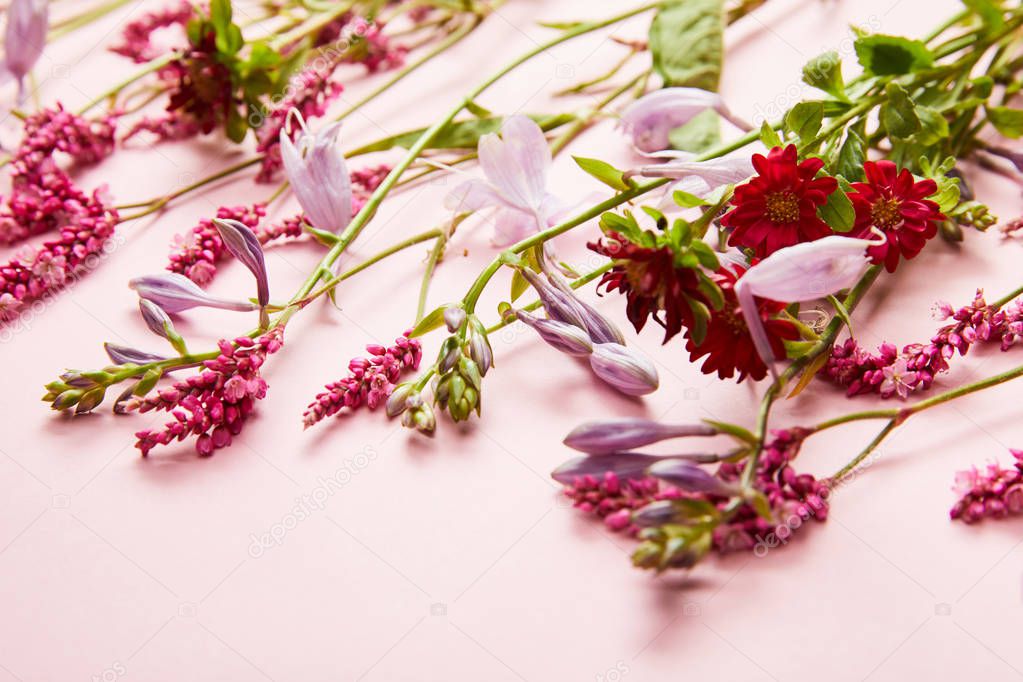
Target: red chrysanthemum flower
[[728, 344], [651, 282], [778, 207], [895, 203]]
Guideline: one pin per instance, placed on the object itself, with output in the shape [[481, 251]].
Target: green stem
[[150, 67], [62, 28]]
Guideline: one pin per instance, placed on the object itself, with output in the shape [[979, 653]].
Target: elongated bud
[[651, 118], [690, 478], [25, 37], [625, 369], [624, 465], [400, 399], [479, 346], [565, 337], [244, 245], [560, 306], [656, 514], [599, 327], [174, 293], [124, 355], [318, 175], [159, 323], [420, 417], [799, 273], [618, 435]]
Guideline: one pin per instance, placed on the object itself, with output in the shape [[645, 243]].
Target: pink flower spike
[[318, 175], [651, 118], [515, 166], [898, 379]]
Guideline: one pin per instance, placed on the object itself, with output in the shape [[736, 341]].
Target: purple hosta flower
[[124, 355], [617, 435], [159, 323], [651, 118], [598, 326], [628, 371], [244, 245], [796, 274], [25, 38], [624, 465], [564, 337], [175, 293], [515, 166], [898, 379], [994, 493], [316, 169], [690, 478]]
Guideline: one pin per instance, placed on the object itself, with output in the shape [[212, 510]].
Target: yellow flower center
[[885, 213], [782, 207]]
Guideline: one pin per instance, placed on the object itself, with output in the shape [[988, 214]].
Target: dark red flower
[[728, 344], [651, 282], [778, 207], [892, 201]]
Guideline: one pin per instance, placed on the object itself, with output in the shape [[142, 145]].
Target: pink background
[[455, 558]]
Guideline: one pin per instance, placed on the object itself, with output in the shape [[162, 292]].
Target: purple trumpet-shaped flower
[[796, 274], [699, 178], [624, 369], [175, 293], [618, 435], [689, 477], [599, 327], [515, 166], [244, 245], [25, 38], [567, 338], [159, 323], [651, 118], [560, 305], [124, 355], [625, 465], [318, 175]]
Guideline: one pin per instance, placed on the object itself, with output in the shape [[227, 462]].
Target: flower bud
[[624, 465], [597, 325], [123, 355], [244, 245], [560, 306], [160, 324], [174, 293], [25, 37], [626, 370], [690, 478], [479, 346], [656, 514], [398, 401], [318, 175], [567, 338], [453, 318], [618, 435]]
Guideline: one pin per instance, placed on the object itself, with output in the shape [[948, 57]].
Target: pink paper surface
[[455, 558]]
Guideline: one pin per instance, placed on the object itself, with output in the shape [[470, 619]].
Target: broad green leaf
[[519, 285], [851, 157], [769, 136], [434, 320], [686, 41], [700, 133], [933, 126], [884, 55], [603, 171], [898, 115], [687, 200], [804, 120], [989, 12], [459, 135], [1007, 121], [838, 211], [824, 72]]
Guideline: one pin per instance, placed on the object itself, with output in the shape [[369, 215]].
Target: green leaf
[[733, 430], [220, 14], [769, 136], [838, 211], [851, 157], [804, 120], [434, 320], [687, 200], [236, 126], [824, 72], [700, 133], [933, 126], [686, 42], [706, 255], [459, 135], [884, 55], [605, 172], [519, 285], [1007, 121], [989, 12], [841, 312], [899, 115]]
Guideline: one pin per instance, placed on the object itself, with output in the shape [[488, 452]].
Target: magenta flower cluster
[[370, 380], [890, 372], [214, 404], [993, 493], [136, 38], [614, 499]]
